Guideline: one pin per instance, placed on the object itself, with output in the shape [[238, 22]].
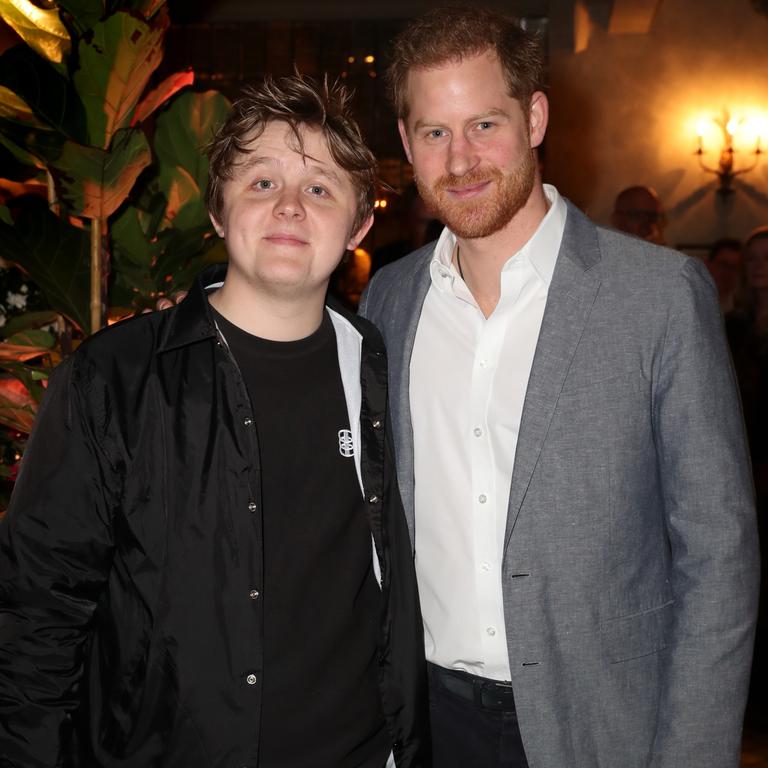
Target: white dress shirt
[[469, 376]]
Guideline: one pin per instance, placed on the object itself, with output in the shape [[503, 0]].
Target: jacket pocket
[[639, 634]]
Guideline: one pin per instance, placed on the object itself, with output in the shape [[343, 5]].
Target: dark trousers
[[474, 724]]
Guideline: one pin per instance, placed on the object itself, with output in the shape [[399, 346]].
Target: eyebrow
[[254, 161], [493, 112]]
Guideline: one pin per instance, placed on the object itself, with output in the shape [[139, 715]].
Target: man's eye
[[484, 125], [436, 133], [316, 189], [263, 184]]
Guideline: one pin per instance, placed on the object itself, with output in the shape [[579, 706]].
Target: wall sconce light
[[725, 170]]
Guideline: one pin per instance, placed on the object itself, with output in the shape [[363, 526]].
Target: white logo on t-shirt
[[346, 446]]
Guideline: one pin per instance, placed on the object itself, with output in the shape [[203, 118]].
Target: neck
[[482, 258], [269, 316]]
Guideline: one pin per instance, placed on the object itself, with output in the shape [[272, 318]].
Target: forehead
[[472, 80], [758, 247], [278, 144], [639, 200]]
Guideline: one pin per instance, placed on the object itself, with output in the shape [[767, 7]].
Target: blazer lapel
[[402, 319], [571, 295]]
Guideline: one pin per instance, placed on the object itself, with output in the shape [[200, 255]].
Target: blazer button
[[373, 499], [376, 424]]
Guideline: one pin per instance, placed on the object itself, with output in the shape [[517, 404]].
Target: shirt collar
[[541, 249], [191, 321]]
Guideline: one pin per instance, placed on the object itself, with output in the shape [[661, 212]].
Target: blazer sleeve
[[55, 554], [711, 524]]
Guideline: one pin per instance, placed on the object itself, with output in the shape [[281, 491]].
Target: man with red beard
[[569, 445]]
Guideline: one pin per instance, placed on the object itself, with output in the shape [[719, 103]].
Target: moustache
[[470, 179]]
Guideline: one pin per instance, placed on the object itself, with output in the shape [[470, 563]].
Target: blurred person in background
[[638, 211], [748, 334], [726, 265]]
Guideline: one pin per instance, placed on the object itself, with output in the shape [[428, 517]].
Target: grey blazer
[[630, 569]]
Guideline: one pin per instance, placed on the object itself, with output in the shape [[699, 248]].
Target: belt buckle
[[497, 695]]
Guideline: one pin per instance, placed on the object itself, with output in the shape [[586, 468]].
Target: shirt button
[[483, 364], [253, 594], [491, 631], [376, 424], [247, 422], [477, 431], [252, 506], [482, 498], [251, 679], [486, 566]]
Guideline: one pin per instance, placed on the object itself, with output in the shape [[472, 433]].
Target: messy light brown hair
[[300, 102], [453, 33]]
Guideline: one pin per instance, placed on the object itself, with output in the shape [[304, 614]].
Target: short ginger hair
[[450, 34], [301, 102]]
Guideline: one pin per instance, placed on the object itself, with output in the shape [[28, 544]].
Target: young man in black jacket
[[205, 561]]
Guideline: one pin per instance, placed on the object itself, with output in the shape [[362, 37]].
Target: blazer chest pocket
[[639, 634], [589, 385]]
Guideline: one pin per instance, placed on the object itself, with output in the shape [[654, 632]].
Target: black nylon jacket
[[129, 630]]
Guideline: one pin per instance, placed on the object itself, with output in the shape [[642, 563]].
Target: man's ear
[[404, 138], [538, 118], [358, 236], [216, 225]]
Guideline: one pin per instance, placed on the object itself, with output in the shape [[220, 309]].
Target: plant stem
[[96, 304]]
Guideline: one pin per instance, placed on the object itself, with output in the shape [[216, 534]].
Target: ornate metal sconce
[[725, 170]]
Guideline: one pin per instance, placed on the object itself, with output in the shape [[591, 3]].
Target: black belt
[[482, 691]]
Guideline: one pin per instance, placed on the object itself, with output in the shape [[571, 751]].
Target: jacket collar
[[192, 321]]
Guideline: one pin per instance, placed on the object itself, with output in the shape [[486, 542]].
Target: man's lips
[[470, 190], [285, 238]]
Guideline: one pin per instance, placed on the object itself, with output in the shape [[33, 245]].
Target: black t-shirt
[[321, 700]]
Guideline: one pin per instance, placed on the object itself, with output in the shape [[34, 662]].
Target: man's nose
[[289, 204], [462, 156]]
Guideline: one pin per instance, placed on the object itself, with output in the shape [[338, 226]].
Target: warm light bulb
[[731, 126], [701, 127], [369, 59]]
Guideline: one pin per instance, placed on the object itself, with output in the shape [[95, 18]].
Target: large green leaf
[[29, 139], [41, 29], [147, 268], [185, 202], [56, 256], [116, 62], [94, 183], [17, 407], [133, 255], [26, 321], [49, 94], [184, 129], [30, 381], [181, 133], [13, 351], [160, 95], [181, 252], [147, 8], [83, 14]]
